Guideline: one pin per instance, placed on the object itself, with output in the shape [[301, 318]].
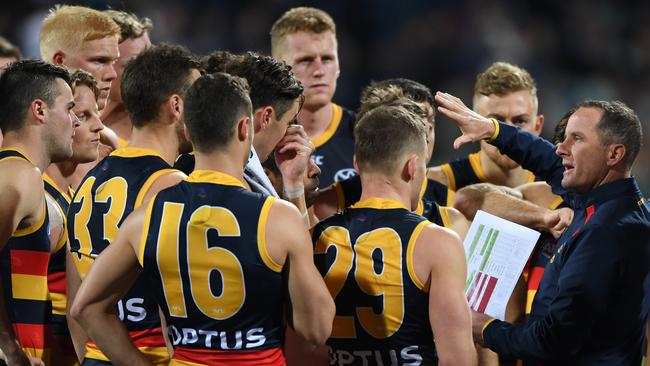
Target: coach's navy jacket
[[592, 304]]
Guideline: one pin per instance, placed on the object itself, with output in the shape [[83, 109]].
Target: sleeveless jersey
[[185, 163], [467, 171], [107, 195], [335, 148], [203, 249], [56, 268], [348, 192], [365, 254], [23, 263]]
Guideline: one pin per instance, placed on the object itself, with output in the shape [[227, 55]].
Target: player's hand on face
[[473, 126], [292, 154]]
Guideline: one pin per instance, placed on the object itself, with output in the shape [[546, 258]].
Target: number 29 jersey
[[204, 250], [365, 255]]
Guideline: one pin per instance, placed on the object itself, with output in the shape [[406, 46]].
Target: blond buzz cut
[[67, 28], [300, 19], [503, 78]]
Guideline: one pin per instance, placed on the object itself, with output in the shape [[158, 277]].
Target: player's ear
[[354, 162], [175, 107], [38, 109], [410, 167], [262, 117], [58, 58], [244, 128]]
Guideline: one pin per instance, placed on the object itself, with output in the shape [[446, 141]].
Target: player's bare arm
[[72, 283], [288, 243], [108, 280], [490, 198], [439, 260], [438, 174], [21, 194]]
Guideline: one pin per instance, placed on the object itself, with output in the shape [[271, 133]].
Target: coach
[[592, 305]]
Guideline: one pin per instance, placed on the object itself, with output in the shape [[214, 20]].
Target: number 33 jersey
[[365, 255], [106, 196]]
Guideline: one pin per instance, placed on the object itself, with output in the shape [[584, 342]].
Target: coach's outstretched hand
[[473, 126]]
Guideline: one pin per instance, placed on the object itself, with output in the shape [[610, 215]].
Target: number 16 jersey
[[204, 250]]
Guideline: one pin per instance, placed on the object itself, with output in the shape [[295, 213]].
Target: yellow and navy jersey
[[433, 196], [56, 269], [365, 255], [466, 171], [106, 196], [185, 163], [23, 264], [203, 249], [335, 148]]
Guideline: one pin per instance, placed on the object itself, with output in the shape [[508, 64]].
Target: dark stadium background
[[574, 49]]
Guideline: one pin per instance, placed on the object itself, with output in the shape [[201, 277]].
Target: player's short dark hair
[[23, 82], [219, 60], [271, 81], [618, 125], [213, 106], [153, 76]]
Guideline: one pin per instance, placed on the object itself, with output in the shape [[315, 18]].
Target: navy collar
[[626, 187]]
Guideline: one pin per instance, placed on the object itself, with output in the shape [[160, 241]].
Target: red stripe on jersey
[[148, 338], [266, 357], [31, 335], [535, 278], [56, 282], [29, 262]]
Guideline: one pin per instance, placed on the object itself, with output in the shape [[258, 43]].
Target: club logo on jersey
[[344, 174], [408, 356], [318, 159]]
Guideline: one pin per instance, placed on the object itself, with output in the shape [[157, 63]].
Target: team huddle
[[164, 208]]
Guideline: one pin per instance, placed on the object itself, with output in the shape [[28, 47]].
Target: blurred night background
[[574, 49]]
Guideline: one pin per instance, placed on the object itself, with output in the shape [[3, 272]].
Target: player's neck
[[61, 174], [117, 119], [157, 136], [380, 186], [495, 174], [316, 121], [29, 144], [221, 161]]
